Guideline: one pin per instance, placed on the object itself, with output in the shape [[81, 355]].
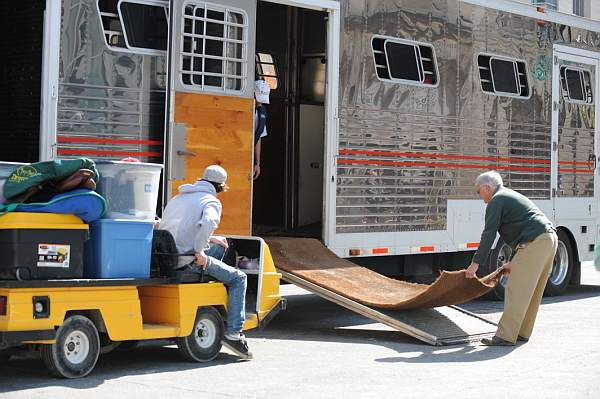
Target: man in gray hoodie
[[191, 217]]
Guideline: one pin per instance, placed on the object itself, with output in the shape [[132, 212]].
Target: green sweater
[[515, 217]]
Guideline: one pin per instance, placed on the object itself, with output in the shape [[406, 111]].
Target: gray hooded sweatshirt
[[192, 216]]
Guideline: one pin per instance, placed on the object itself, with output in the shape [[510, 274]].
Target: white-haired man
[[533, 240], [191, 217]]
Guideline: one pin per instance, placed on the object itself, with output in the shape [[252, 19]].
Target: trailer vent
[[576, 85], [404, 61], [135, 26], [503, 76]]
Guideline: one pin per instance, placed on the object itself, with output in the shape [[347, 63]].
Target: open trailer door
[[211, 106]]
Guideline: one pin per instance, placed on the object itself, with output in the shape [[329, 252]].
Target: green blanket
[[33, 174]]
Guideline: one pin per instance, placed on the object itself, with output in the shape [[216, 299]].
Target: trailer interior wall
[[288, 195], [22, 32]]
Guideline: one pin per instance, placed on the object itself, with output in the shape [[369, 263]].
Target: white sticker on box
[[53, 255]]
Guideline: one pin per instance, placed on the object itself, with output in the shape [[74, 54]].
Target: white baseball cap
[[261, 91], [215, 174]]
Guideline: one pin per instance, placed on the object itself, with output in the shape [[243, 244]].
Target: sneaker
[[237, 343]]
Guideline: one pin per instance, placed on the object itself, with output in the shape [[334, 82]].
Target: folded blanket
[[84, 203]]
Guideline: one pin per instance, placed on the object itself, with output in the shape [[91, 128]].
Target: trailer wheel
[[562, 267], [499, 256], [75, 350], [204, 343]]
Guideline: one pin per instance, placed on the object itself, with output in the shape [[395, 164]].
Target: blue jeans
[[235, 280]]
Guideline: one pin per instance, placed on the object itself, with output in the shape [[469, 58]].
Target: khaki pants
[[531, 268]]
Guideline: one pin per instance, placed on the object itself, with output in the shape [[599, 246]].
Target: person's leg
[[215, 250], [527, 268], [534, 305], [236, 281]]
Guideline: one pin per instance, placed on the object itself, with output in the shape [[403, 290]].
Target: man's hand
[[471, 270], [256, 171], [507, 269], [222, 241], [201, 260]]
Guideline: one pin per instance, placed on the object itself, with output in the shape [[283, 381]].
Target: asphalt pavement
[[316, 349]]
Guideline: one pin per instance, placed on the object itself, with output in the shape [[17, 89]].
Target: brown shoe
[[522, 339], [496, 341]]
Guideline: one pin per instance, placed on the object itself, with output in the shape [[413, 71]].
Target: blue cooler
[[118, 248]]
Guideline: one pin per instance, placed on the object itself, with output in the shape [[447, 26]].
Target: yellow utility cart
[[70, 321]]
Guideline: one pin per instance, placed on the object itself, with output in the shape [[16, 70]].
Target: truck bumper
[[15, 338]]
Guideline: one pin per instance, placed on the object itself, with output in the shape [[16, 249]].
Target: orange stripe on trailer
[[68, 139], [428, 248], [472, 245], [64, 151], [379, 251], [441, 165]]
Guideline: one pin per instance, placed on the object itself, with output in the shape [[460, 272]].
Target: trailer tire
[[75, 350], [204, 343], [562, 266], [499, 256]]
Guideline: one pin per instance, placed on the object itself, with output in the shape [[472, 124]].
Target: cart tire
[[499, 256], [75, 350], [562, 266], [204, 343], [5, 357]]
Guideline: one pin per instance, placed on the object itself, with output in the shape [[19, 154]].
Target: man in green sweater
[[533, 240]]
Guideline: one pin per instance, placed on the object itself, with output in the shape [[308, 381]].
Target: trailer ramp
[[425, 312]]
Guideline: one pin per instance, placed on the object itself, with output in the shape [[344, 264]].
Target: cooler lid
[[33, 220]]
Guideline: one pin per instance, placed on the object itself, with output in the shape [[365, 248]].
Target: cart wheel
[[76, 349], [204, 343], [5, 357]]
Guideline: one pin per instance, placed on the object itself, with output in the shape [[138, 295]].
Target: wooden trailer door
[[211, 101]]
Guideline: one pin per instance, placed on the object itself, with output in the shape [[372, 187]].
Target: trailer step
[[446, 325]]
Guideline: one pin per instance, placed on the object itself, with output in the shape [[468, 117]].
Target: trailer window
[[214, 45], [404, 61], [503, 76], [266, 69], [576, 85], [135, 26], [145, 26]]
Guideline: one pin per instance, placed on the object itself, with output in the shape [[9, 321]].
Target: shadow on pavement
[[28, 372], [451, 354]]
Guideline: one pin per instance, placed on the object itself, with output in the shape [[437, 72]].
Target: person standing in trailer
[[191, 217], [533, 240], [261, 95]]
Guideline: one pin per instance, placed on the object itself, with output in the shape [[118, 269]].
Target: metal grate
[[213, 47]]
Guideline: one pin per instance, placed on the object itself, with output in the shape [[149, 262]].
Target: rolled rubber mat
[[311, 260]]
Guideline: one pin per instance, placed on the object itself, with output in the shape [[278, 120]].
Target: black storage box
[[41, 246]]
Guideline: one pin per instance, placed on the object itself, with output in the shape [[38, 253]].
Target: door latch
[[183, 153]]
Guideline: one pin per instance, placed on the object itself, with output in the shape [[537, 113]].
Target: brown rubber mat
[[311, 260]]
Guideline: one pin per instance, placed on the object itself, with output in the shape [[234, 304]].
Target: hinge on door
[[554, 146], [555, 105], [553, 192]]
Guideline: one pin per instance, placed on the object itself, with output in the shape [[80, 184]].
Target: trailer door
[[211, 107], [574, 134]]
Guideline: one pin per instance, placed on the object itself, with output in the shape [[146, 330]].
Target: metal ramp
[[446, 325]]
